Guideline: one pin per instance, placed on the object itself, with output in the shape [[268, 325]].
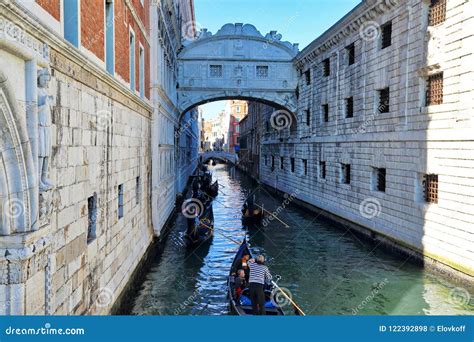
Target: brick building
[[236, 111]]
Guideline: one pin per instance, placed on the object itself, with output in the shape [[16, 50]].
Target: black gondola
[[201, 228], [251, 215], [213, 190], [243, 305]]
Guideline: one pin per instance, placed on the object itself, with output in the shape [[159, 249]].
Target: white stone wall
[[409, 141]]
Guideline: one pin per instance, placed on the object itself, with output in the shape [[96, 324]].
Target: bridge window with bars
[[215, 70], [326, 67], [262, 71], [384, 100], [437, 13], [434, 89]]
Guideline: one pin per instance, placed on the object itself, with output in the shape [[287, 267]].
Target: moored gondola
[[242, 305], [213, 190]]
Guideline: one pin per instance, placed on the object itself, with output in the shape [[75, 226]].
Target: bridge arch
[[237, 62]]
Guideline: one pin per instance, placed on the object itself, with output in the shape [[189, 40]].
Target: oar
[[291, 300], [273, 215], [211, 228]]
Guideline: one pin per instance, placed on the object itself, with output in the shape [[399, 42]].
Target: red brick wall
[[93, 27], [123, 22], [53, 7]]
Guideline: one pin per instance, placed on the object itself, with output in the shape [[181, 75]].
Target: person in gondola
[[249, 206], [244, 265], [259, 276], [240, 283]]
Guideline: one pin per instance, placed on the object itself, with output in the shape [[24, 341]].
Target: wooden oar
[[211, 228], [273, 215], [291, 300]]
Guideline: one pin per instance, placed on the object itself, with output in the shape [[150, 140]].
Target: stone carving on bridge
[[241, 63], [45, 102]]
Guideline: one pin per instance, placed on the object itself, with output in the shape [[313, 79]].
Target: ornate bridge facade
[[237, 62]]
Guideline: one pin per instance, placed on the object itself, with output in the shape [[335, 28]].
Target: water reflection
[[328, 270]]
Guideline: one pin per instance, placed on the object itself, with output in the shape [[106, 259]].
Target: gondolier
[[259, 275]]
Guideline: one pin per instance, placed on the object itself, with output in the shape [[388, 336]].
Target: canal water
[[325, 268]]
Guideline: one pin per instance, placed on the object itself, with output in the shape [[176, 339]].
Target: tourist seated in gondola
[[259, 276], [244, 265], [240, 283]]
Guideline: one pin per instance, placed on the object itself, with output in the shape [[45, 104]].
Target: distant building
[[237, 110]]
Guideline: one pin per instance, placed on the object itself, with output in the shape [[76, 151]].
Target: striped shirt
[[258, 273]]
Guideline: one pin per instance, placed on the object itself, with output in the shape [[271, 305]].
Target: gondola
[[243, 305], [213, 190], [252, 220], [200, 229]]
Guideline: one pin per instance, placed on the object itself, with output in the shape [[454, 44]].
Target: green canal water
[[327, 269]]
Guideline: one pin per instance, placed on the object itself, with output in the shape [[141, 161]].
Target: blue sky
[[299, 21]]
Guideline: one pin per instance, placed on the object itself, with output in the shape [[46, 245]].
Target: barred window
[[308, 117], [266, 160], [431, 188], [434, 89], [292, 160], [384, 100], [273, 163], [350, 107], [322, 169], [351, 53], [346, 173], [386, 35], [215, 70], [305, 166], [282, 165], [120, 201], [91, 218], [326, 67], [326, 112], [437, 12], [307, 75], [262, 71]]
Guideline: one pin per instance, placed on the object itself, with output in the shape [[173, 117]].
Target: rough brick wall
[[92, 27], [53, 7]]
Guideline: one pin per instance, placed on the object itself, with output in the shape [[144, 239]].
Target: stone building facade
[[382, 137], [78, 120], [249, 139], [175, 133]]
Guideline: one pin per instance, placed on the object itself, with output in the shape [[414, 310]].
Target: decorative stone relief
[[45, 102]]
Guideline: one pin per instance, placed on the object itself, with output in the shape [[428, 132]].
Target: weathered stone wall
[[101, 138], [411, 140]]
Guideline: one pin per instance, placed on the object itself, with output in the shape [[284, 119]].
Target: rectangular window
[[326, 67], [273, 163], [434, 89], [350, 107], [307, 76], [437, 12], [350, 50], [431, 188], [384, 100], [120, 201], [325, 112], [386, 35], [308, 117], [142, 72], [305, 166], [132, 62], [380, 175], [266, 161], [109, 36], [262, 71], [282, 164], [71, 21], [91, 218], [346, 173], [322, 169], [215, 70], [138, 192], [292, 160]]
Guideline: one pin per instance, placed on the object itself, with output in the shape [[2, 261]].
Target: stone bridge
[[237, 62], [218, 155]]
